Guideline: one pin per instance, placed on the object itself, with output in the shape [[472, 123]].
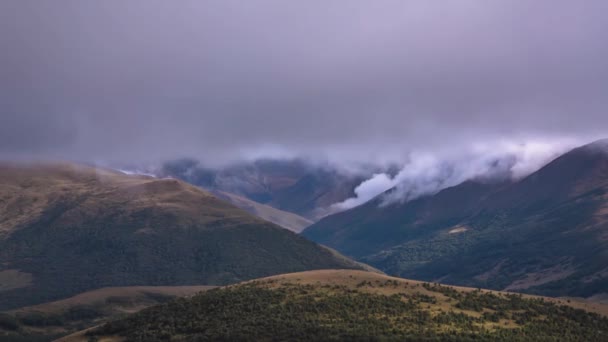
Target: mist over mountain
[[544, 233], [315, 189], [427, 174], [294, 185], [154, 143]]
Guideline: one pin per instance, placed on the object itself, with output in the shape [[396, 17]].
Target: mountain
[[285, 219], [294, 186], [356, 306], [544, 234], [67, 228]]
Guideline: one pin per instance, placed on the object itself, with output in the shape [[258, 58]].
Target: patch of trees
[[307, 312]]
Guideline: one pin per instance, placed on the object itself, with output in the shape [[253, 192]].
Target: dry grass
[[352, 279], [27, 189]]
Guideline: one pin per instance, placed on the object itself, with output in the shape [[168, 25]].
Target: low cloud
[[428, 173], [348, 81]]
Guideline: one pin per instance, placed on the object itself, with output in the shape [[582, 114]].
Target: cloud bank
[[426, 173], [357, 80]]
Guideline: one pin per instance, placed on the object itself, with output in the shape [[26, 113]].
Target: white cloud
[[429, 173]]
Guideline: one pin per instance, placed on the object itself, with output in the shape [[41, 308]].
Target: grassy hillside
[[66, 229], [355, 305], [48, 321], [546, 234]]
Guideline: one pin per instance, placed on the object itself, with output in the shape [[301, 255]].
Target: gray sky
[[126, 80]]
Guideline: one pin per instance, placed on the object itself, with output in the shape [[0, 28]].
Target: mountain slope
[[49, 321], [285, 219], [67, 228], [354, 305], [547, 233], [290, 185]]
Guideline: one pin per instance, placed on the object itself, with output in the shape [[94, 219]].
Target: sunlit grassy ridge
[[353, 305]]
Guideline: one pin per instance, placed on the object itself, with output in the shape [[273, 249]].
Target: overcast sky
[[125, 80]]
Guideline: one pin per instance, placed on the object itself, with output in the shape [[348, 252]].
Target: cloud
[[367, 190], [372, 81], [428, 173]]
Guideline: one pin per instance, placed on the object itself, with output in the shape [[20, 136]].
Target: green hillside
[[49, 321], [354, 305]]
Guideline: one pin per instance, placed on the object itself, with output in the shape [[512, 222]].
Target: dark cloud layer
[[347, 80]]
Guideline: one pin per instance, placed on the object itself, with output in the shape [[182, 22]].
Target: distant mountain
[[546, 234], [66, 229], [289, 185], [285, 219], [356, 306]]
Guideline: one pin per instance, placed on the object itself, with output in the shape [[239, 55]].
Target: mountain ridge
[[356, 305], [546, 233], [69, 228]]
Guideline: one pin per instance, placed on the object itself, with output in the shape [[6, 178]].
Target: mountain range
[[546, 233], [83, 245]]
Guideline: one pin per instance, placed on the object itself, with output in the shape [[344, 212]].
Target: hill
[[285, 219], [48, 321], [355, 305], [545, 234], [67, 228]]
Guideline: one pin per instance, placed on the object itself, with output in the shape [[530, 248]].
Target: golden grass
[[352, 278], [26, 190]]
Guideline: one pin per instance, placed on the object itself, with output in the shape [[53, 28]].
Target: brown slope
[[69, 228]]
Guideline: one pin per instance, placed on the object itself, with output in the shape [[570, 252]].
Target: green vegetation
[[47, 326], [49, 321], [368, 309]]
